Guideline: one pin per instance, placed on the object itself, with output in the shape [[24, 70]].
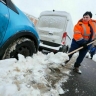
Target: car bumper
[[49, 48]]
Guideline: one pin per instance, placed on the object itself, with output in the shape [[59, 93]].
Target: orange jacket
[[82, 30]]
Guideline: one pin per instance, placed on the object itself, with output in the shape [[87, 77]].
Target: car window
[[3, 1], [11, 6]]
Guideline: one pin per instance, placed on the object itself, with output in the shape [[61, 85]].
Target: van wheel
[[63, 49], [22, 46]]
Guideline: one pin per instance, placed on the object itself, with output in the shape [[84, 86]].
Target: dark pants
[[82, 53], [92, 53]]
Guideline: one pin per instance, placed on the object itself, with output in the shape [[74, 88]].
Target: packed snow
[[39, 75]]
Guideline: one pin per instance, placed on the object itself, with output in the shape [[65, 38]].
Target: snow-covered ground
[[39, 75], [33, 76]]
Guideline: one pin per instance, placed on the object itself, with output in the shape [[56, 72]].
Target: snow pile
[[40, 75]]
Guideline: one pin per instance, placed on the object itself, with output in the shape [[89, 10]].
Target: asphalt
[[82, 84]]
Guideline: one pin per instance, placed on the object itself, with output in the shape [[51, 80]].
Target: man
[[84, 32]]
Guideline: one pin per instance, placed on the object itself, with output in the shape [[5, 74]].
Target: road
[[82, 84]]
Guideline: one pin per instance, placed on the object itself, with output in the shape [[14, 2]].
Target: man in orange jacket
[[84, 32]]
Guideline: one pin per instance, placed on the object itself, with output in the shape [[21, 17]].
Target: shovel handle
[[81, 47]]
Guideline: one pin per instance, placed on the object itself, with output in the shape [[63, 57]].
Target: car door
[[4, 18]]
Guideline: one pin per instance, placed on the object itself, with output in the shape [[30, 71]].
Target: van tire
[[63, 49], [22, 46]]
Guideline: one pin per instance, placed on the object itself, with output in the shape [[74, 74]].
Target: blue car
[[17, 33]]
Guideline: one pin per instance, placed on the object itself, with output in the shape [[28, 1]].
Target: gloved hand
[[84, 45]]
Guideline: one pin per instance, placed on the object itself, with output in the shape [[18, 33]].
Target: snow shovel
[[81, 47]]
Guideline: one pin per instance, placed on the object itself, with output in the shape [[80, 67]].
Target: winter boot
[[77, 70]]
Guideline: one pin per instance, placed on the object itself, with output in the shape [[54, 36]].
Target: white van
[[55, 29]]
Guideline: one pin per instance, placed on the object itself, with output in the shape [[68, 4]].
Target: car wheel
[[63, 49], [22, 46], [40, 49]]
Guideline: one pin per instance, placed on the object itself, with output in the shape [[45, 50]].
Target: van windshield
[[57, 22]]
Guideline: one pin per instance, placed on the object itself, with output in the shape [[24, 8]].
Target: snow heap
[[40, 75]]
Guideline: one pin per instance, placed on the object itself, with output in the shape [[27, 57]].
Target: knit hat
[[88, 13]]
